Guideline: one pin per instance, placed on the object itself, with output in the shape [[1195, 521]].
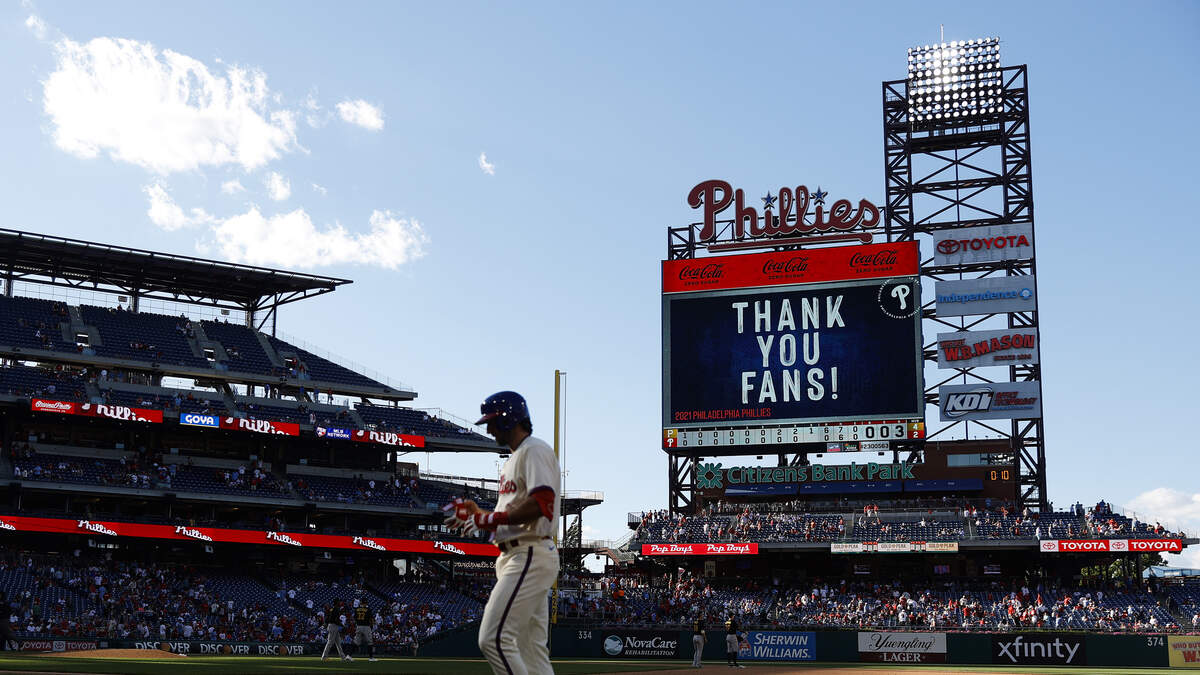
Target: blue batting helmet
[[507, 408]]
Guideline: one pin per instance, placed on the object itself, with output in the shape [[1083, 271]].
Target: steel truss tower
[[963, 172]]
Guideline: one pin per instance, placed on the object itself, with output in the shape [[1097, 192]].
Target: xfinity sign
[[194, 420], [1041, 650]]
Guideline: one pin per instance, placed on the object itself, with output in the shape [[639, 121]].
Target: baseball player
[[732, 643], [364, 622], [333, 631], [698, 640], [513, 632]]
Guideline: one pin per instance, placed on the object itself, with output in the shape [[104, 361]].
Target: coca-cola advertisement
[[869, 261]]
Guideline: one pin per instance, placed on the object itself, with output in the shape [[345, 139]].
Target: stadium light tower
[[957, 166]]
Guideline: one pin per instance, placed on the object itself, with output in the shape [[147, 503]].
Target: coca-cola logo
[[791, 265], [952, 246], [878, 258], [700, 272]]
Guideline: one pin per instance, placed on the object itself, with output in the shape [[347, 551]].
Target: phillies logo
[[117, 412], [192, 533], [282, 538], [714, 196], [448, 548], [388, 438], [98, 528], [257, 426], [6, 526], [369, 543], [789, 266], [952, 246]]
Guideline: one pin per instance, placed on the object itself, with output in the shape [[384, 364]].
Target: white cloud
[[314, 114], [232, 187], [320, 190], [292, 240], [485, 166], [162, 111], [361, 113], [1175, 509], [278, 187], [165, 213], [36, 26]]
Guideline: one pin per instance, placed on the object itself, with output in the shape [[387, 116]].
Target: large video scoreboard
[[807, 346]]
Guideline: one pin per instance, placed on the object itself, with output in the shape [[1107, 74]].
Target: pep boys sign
[[792, 223]]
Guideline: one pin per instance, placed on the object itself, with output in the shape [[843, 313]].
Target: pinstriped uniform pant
[[514, 630]]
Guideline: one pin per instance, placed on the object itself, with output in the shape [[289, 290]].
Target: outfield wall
[[997, 649]]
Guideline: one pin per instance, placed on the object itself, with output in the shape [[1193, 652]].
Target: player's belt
[[506, 546]]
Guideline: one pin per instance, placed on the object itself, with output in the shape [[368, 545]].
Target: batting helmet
[[507, 408]]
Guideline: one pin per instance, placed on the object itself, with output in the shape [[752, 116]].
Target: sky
[[498, 181]]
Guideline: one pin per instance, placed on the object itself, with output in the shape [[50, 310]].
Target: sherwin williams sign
[[779, 646], [989, 295], [712, 475]]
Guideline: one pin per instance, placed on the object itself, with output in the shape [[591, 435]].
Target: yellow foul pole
[[557, 411]]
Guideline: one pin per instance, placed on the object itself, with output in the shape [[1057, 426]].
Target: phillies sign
[[791, 225], [700, 549], [261, 426], [389, 438]]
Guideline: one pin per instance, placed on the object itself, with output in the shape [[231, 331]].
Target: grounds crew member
[[513, 633]]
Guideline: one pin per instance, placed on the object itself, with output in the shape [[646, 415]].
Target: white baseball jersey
[[530, 467]]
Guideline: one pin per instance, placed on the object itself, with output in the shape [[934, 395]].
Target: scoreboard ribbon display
[[844, 348]]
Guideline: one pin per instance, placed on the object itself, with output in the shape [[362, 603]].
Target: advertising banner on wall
[[1183, 651], [1110, 545], [700, 549], [902, 647], [115, 412], [779, 646], [1034, 649], [989, 401], [989, 295], [261, 426], [846, 547], [232, 536], [389, 438], [640, 644], [972, 349], [990, 243]]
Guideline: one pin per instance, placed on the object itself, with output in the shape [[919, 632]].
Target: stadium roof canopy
[[79, 264]]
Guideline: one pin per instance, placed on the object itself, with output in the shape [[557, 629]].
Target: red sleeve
[[545, 499]]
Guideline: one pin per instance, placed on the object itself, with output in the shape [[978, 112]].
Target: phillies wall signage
[[972, 349], [989, 295], [778, 268], [230, 536], [902, 647], [1111, 545], [992, 243], [700, 549], [116, 412], [785, 217], [261, 426], [990, 401]]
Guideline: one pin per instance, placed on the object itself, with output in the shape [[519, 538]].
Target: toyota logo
[[947, 246]]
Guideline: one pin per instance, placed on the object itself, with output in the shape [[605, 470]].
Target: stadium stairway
[[269, 349]]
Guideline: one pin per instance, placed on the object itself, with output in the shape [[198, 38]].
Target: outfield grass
[[229, 665]]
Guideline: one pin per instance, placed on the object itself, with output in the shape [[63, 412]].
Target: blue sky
[[498, 181]]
